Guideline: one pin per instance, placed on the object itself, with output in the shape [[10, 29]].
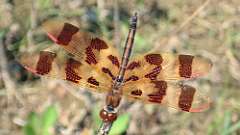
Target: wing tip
[[202, 107], [53, 38], [205, 69], [31, 70]]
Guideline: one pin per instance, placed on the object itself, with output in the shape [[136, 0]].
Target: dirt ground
[[208, 28]]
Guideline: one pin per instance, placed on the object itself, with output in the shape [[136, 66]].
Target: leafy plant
[[228, 126], [39, 124], [224, 125]]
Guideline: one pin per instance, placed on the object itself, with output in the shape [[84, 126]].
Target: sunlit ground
[[33, 106]]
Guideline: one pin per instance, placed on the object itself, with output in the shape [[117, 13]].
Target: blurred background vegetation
[[210, 28]]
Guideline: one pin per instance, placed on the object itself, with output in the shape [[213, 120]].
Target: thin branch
[[234, 65], [7, 80], [33, 23], [102, 10], [117, 34], [105, 128], [190, 18]]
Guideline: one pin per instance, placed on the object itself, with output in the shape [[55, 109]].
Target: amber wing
[[167, 66], [153, 78], [89, 61], [181, 97], [86, 48]]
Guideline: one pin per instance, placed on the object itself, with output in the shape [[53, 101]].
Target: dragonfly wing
[[59, 65], [181, 97], [85, 47], [167, 66]]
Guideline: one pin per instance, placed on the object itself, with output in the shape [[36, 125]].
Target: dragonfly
[[93, 63]]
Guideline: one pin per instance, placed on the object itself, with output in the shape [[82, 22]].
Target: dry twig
[[33, 23], [190, 18], [8, 81], [234, 65], [117, 34], [183, 24]]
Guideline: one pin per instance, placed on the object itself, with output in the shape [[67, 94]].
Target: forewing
[[166, 66], [60, 65], [181, 97], [85, 47]]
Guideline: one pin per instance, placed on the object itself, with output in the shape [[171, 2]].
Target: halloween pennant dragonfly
[[92, 63]]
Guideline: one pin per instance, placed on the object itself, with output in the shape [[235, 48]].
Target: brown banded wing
[[181, 97], [58, 65], [86, 48], [153, 77], [166, 66], [92, 64]]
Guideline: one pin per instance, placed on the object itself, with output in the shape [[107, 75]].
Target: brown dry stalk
[[190, 18], [183, 24], [117, 35], [234, 65], [7, 80]]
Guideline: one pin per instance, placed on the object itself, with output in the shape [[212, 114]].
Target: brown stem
[[7, 80]]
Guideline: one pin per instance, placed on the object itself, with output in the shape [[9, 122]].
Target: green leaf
[[45, 132], [28, 130], [214, 126], [49, 117], [227, 123], [44, 4], [140, 44], [120, 125], [39, 125], [95, 117], [2, 32], [33, 124], [234, 127]]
